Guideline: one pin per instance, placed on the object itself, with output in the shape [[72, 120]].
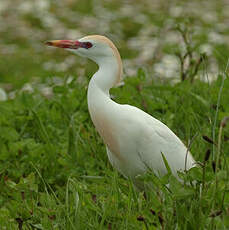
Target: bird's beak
[[69, 44]]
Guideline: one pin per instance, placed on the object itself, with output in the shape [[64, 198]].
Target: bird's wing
[[161, 140], [156, 138]]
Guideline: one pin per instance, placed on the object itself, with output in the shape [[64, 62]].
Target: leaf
[[141, 74], [183, 193], [166, 164], [41, 128], [8, 133], [195, 174], [72, 140]]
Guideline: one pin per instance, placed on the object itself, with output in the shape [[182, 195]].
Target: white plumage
[[135, 140]]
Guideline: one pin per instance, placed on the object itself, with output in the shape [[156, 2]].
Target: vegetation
[[54, 172]]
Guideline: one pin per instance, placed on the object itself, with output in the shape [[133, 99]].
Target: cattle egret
[[135, 141]]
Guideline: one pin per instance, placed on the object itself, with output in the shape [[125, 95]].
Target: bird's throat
[[108, 74]]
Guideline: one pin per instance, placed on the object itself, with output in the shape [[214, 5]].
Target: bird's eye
[[86, 45]]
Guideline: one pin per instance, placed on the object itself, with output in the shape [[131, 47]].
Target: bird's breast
[[108, 132]]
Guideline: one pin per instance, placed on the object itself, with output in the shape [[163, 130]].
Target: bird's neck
[[101, 107], [105, 78], [100, 84], [108, 74]]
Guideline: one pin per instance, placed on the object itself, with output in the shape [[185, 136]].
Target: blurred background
[[147, 33]]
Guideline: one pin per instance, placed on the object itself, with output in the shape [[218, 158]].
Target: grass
[[54, 172]]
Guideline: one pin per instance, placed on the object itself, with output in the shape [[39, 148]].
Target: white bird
[[134, 140]]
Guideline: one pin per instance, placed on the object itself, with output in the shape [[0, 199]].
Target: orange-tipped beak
[[69, 44]]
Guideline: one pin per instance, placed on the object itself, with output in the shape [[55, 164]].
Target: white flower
[[206, 48], [27, 87], [215, 37], [3, 95], [168, 67]]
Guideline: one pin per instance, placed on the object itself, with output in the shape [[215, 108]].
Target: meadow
[[54, 171]]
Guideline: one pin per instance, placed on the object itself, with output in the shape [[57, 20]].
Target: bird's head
[[95, 47]]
